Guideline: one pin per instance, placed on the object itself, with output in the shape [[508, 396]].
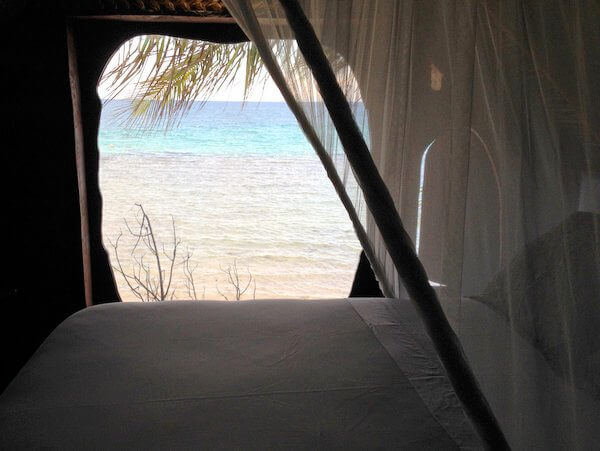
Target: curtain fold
[[482, 118]]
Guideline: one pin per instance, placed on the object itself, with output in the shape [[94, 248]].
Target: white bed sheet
[[225, 375]]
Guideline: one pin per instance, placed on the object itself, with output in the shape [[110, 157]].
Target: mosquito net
[[482, 119]]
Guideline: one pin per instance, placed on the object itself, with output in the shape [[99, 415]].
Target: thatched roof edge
[[111, 7]]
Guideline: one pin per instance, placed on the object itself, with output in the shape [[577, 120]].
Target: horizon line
[[211, 100]]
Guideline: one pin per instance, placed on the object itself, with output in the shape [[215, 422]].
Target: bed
[[348, 373]]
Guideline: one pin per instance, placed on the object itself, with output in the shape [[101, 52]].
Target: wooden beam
[[397, 240]]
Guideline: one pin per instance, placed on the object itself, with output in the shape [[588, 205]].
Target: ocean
[[242, 187]]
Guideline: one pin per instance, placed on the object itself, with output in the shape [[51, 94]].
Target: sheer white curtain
[[304, 91], [483, 120]]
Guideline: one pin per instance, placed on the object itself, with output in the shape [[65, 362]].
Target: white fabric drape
[[483, 118]]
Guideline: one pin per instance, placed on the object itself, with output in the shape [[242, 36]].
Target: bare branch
[[153, 249], [119, 267], [149, 281], [233, 278], [176, 243], [189, 276], [219, 291]]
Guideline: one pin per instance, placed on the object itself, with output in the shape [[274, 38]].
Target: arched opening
[[236, 197]]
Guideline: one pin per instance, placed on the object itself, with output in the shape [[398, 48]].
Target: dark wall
[[39, 217]]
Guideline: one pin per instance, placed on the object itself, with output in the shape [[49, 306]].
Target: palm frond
[[170, 73]]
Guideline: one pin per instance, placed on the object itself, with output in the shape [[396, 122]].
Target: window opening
[[235, 187]]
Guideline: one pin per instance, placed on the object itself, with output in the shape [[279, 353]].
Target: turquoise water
[[242, 184], [213, 129]]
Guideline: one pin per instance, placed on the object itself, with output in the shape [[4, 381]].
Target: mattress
[[345, 373]]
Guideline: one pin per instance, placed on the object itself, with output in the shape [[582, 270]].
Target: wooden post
[[397, 240], [80, 165]]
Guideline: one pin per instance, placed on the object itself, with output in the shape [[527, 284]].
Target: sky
[[232, 93]]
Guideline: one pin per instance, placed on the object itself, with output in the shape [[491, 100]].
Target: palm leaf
[[170, 73]]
